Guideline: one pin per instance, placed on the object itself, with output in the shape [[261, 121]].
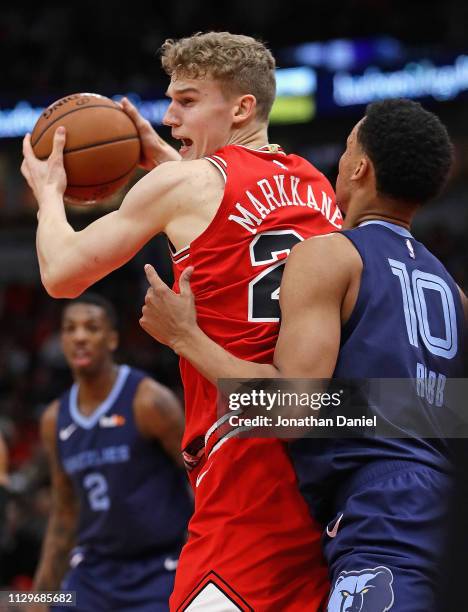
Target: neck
[[379, 209], [377, 216], [252, 136], [94, 388]]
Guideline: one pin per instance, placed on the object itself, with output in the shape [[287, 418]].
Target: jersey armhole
[[358, 305], [220, 164]]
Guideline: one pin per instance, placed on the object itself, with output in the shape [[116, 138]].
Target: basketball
[[102, 147]]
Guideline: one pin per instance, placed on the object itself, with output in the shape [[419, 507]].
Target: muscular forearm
[[58, 542], [72, 261], [53, 238], [214, 362]]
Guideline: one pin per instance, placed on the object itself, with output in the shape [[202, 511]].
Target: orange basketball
[[102, 147]]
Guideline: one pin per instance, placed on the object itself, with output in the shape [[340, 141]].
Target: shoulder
[[49, 419], [153, 405], [333, 252], [48, 427], [320, 268], [149, 392], [175, 176], [174, 186]]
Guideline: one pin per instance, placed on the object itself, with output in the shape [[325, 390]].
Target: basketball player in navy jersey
[[370, 302], [118, 494]]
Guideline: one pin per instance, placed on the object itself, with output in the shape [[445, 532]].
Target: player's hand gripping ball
[[102, 148]]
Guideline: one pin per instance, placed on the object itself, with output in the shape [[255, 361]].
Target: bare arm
[[316, 281], [159, 414], [71, 261], [61, 528], [171, 319], [314, 285]]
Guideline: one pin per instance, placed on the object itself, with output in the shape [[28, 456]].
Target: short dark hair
[[96, 300], [409, 147]]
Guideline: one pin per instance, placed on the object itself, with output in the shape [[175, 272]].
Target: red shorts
[[252, 544]]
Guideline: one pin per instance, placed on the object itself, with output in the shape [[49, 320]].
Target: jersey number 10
[[416, 311]]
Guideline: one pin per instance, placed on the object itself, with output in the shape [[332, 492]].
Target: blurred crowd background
[[54, 49]]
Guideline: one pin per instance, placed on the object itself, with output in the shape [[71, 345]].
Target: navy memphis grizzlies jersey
[[407, 323], [133, 499]]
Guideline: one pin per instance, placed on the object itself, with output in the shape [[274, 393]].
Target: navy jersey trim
[[398, 229], [359, 306], [90, 421]]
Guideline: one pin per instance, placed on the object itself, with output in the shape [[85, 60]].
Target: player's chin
[[342, 202], [187, 154], [83, 367], [190, 152]]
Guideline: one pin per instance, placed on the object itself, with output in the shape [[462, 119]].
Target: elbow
[[62, 294], [58, 287]]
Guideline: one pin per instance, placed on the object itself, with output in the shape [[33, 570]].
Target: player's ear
[[244, 108], [361, 169]]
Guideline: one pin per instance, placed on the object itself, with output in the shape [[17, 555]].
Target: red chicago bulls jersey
[[271, 202], [240, 548]]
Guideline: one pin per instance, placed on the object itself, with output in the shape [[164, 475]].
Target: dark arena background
[[333, 58]]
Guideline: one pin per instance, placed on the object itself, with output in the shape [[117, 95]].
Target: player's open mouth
[[186, 144], [81, 358]]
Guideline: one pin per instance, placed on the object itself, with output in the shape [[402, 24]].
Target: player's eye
[[364, 590], [345, 593]]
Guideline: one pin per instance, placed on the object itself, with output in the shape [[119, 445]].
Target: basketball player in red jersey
[[233, 209]]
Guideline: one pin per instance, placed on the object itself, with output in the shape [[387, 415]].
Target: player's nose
[[171, 118], [80, 335]]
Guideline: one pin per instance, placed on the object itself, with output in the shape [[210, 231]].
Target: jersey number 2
[[264, 288], [96, 485]]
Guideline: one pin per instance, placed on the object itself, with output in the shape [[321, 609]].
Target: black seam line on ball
[[96, 144], [75, 110], [106, 182]]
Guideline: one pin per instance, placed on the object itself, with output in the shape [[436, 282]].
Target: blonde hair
[[243, 64]]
